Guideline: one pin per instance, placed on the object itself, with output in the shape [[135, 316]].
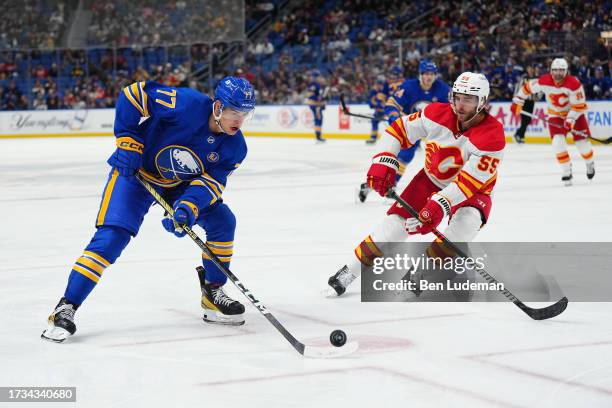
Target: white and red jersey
[[564, 99], [460, 163]]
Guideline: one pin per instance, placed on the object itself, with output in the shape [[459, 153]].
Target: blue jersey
[[410, 97], [392, 86], [378, 98], [314, 94], [170, 127]]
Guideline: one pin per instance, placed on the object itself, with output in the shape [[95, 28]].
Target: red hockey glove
[[430, 216], [381, 176]]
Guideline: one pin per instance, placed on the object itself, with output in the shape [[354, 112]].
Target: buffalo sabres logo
[[230, 85], [211, 139], [212, 157], [178, 163]]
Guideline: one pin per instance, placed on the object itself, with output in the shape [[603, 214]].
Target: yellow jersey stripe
[[219, 251], [471, 179], [159, 181], [221, 258], [86, 273], [135, 90], [197, 182], [141, 86], [208, 177], [468, 193], [220, 243], [127, 93], [215, 190], [93, 265], [107, 197], [96, 257]]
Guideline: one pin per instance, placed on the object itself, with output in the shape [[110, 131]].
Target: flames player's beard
[[470, 122]]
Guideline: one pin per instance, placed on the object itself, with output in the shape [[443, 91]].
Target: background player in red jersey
[[566, 112], [464, 146]]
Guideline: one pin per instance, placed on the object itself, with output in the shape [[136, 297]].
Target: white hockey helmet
[[559, 63], [471, 83]]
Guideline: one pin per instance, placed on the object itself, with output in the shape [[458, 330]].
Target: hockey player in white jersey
[[463, 146], [566, 112]]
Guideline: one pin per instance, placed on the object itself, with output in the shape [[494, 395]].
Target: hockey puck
[[337, 338]]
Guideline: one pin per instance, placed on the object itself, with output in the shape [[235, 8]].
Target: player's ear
[[217, 107]]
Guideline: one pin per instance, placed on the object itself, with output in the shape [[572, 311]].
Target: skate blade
[[210, 316], [329, 292], [55, 334]]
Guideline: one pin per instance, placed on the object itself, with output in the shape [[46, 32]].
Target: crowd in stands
[[34, 23], [351, 42], [154, 22], [499, 38]]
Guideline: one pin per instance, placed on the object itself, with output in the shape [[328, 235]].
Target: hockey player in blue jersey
[[396, 78], [316, 102], [186, 145], [412, 96], [378, 97]]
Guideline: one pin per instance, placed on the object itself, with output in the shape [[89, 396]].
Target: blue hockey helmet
[[235, 93], [380, 79], [427, 66], [396, 70]]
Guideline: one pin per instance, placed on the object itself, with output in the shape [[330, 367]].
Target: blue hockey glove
[[185, 213], [127, 162]]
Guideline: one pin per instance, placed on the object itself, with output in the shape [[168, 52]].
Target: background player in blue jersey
[[316, 101], [395, 79], [186, 145], [412, 96], [378, 97]]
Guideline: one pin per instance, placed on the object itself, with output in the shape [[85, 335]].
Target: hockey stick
[[536, 314], [578, 132], [307, 351], [357, 115]]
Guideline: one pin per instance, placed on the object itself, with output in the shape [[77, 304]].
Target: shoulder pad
[[488, 135]]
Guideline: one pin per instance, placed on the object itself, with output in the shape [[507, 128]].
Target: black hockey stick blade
[[546, 312], [603, 141], [343, 104], [356, 115]]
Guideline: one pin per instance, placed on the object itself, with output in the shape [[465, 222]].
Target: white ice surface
[[141, 341]]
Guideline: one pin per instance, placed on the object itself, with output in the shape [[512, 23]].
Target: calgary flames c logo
[[443, 162], [555, 99]]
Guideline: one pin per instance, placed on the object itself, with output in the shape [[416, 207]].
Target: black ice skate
[[519, 138], [61, 322], [340, 280], [218, 307], [567, 179], [590, 170], [363, 192], [371, 141], [321, 140]]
